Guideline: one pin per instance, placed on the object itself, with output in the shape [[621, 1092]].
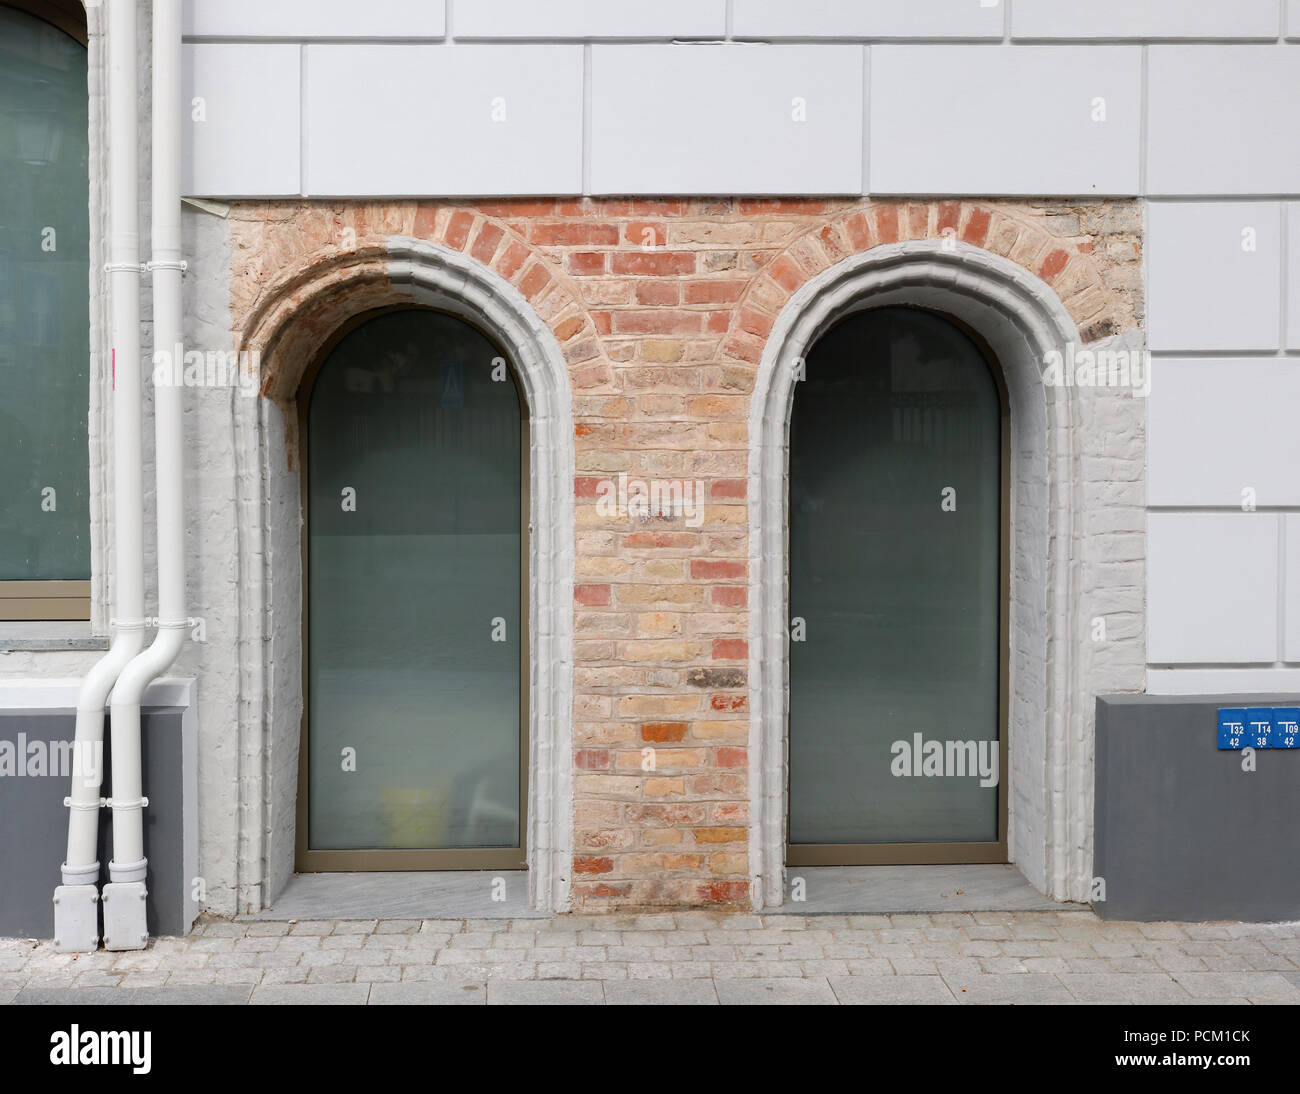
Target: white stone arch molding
[[1049, 733], [428, 274]]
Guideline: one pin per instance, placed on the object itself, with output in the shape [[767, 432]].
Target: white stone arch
[[418, 273], [1021, 320]]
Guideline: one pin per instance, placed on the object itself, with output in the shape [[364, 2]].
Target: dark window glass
[[414, 489], [44, 311], [899, 593]]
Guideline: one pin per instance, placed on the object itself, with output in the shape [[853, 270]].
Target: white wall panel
[[1291, 605], [1293, 276], [1207, 289], [867, 19], [721, 119], [1216, 427], [1198, 681], [314, 18], [393, 120], [1212, 588], [1222, 119], [1004, 119], [589, 19], [1144, 19], [1293, 19], [246, 143]]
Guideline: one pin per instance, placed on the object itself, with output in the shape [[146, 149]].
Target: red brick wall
[[662, 308]]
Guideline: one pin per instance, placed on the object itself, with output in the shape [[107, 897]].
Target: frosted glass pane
[[413, 552], [900, 598], [44, 303]]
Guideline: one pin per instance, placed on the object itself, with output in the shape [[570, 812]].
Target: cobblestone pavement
[[690, 957]]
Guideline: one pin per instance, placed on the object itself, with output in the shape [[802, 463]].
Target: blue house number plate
[[1259, 727]]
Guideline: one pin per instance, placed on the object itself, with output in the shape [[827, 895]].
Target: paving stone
[[73, 996], [428, 994], [886, 990], [1023, 987], [1119, 987], [310, 994], [1252, 985], [192, 996], [661, 993], [545, 992], [783, 992]]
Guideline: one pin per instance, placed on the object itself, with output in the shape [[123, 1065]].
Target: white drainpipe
[[124, 896], [76, 918]]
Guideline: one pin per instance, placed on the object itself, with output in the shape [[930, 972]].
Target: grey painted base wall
[[1182, 832], [34, 824]]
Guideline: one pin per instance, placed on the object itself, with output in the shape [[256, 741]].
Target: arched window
[[415, 445], [897, 593], [44, 313]]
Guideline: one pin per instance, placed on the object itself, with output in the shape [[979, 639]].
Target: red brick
[[590, 865], [663, 732], [858, 228], [596, 759], [657, 292], [730, 649], [729, 596], [787, 273], [653, 263], [731, 757], [716, 569], [586, 263], [724, 892], [714, 292], [755, 322], [426, 219], [977, 227], [728, 702], [571, 234], [645, 207], [587, 486], [458, 229], [657, 322], [1052, 265], [592, 596], [644, 233], [535, 281], [728, 489], [526, 208], [485, 243], [511, 259], [887, 224]]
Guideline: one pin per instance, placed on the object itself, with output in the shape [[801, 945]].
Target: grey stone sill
[[49, 635]]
